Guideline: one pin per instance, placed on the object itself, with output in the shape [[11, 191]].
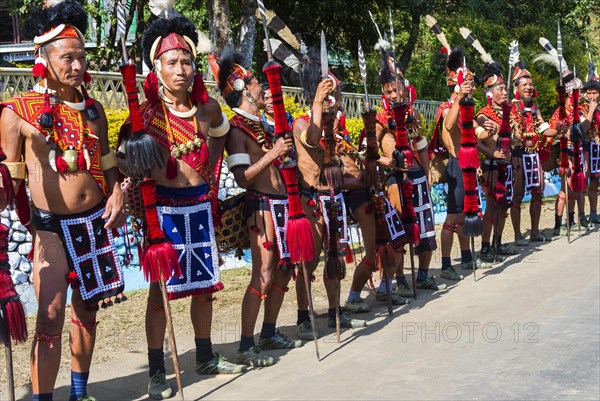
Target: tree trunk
[[248, 32], [413, 37], [220, 27]]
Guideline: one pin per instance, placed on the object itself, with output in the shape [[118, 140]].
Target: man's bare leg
[[50, 284], [82, 340]]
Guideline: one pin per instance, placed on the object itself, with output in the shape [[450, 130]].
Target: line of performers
[[54, 138]]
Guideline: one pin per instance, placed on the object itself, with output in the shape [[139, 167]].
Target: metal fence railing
[[107, 88]]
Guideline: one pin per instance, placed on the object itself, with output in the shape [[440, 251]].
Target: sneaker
[[347, 321], [159, 388], [404, 291], [539, 237], [491, 257], [521, 241], [305, 331], [357, 306], [595, 219], [396, 299], [253, 357], [585, 223], [278, 341], [451, 274], [86, 398], [507, 251], [430, 284], [479, 264], [219, 365]]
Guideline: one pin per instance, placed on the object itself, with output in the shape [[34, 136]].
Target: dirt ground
[[121, 327]]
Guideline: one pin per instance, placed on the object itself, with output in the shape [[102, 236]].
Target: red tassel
[[468, 157], [272, 70], [349, 256], [267, 245], [300, 240], [199, 92], [159, 256], [311, 202], [72, 279], [17, 322], [578, 181], [39, 70], [87, 78], [171, 172], [81, 164], [151, 87], [128, 71], [61, 164], [160, 259]]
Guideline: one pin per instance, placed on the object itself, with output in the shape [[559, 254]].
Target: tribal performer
[[58, 135], [591, 99], [574, 157], [418, 172], [497, 169], [190, 129], [446, 142], [531, 137], [254, 158], [316, 145]]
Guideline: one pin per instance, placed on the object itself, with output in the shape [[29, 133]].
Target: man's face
[[66, 61], [268, 102], [391, 93], [525, 88], [177, 70], [592, 94], [257, 93], [499, 94]]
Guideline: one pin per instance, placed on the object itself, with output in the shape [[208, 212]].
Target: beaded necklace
[[180, 149]]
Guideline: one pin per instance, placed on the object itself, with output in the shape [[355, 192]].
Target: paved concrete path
[[528, 329]]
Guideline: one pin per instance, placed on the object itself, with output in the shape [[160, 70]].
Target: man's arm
[[11, 126], [217, 133], [115, 204], [315, 129], [244, 171]]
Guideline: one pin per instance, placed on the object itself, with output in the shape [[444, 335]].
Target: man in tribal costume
[[190, 129], [311, 148], [254, 158], [446, 142], [591, 91], [394, 90], [530, 149], [571, 84], [496, 167], [58, 135]]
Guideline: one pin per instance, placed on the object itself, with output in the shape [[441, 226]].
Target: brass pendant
[[70, 156]]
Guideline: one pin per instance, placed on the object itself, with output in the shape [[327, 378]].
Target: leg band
[[46, 338], [450, 228], [154, 306], [491, 220], [516, 205], [254, 291], [280, 289], [370, 265], [89, 326]]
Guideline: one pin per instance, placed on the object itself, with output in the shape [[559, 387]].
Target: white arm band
[[238, 159], [217, 132], [422, 144], [543, 127]]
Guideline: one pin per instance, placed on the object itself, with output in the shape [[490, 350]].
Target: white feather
[[383, 45], [554, 54], [546, 58], [514, 53], [204, 46], [160, 7], [485, 56], [430, 21]]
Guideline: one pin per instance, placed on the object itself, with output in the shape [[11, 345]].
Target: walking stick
[[9, 370], [311, 310], [172, 343]]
